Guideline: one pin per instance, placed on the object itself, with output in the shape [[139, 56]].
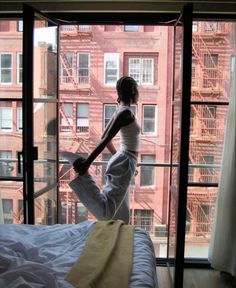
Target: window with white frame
[[5, 68], [82, 117], [83, 68], [147, 172], [66, 117], [5, 118], [109, 110], [19, 118], [20, 25], [149, 119], [195, 26], [111, 68], [19, 68], [142, 70], [131, 28]]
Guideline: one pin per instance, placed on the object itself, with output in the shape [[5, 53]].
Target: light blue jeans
[[113, 201]]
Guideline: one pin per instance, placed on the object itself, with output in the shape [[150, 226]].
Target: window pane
[[131, 28], [111, 63], [147, 172], [149, 118], [108, 112]]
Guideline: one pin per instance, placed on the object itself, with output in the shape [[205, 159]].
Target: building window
[[211, 26], [19, 68], [20, 25], [5, 68], [143, 218], [111, 68], [7, 207], [131, 28], [147, 172], [109, 110], [207, 173], [208, 118], [83, 68], [84, 27], [5, 118], [210, 70], [149, 119], [19, 121], [5, 163], [195, 26], [67, 76], [66, 117], [141, 69], [82, 120]]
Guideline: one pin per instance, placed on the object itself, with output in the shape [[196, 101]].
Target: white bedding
[[40, 255]]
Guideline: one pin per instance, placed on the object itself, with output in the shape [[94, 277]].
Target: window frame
[[154, 132], [117, 69], [11, 68]]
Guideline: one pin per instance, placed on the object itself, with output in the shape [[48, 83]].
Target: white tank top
[[129, 134]]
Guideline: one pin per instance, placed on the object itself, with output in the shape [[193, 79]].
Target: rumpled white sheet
[[39, 256]]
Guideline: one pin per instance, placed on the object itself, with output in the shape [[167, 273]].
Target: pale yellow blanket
[[106, 260]]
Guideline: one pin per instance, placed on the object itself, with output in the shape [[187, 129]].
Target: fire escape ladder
[[200, 49], [69, 70], [145, 205], [192, 211]]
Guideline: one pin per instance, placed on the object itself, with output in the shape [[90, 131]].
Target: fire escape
[[76, 137], [206, 127]]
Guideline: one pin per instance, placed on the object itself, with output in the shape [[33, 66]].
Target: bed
[[42, 255]]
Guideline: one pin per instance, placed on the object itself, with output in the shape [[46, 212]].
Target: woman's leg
[[113, 201]]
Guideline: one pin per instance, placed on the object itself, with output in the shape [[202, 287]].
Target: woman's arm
[[122, 119]]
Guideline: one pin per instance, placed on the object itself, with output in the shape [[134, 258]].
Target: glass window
[[66, 117], [131, 28], [20, 25], [19, 118], [5, 68], [147, 172], [143, 218], [208, 117], [84, 27], [195, 26], [66, 71], [210, 70], [83, 68], [82, 118], [149, 119], [111, 67], [5, 118], [6, 166], [109, 109], [19, 68], [141, 69], [211, 26], [7, 207]]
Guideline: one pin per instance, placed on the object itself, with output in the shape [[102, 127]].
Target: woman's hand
[[80, 166]]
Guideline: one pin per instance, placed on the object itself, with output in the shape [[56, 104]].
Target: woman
[[113, 201]]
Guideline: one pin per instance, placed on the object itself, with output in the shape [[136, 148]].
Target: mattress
[[41, 255]]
